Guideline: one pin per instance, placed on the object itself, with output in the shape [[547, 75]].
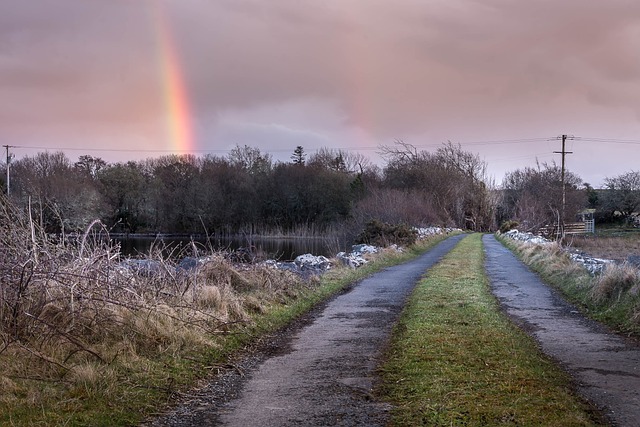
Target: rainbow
[[175, 94]]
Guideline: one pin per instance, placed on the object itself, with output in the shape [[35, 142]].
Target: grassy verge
[[612, 297], [455, 359], [115, 362]]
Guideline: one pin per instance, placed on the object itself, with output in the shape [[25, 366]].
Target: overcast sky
[[503, 78]]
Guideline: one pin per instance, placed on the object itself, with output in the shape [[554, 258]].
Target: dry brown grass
[[617, 282], [554, 262], [616, 248], [74, 321], [76, 315]]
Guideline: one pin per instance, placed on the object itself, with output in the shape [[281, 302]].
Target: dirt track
[[605, 366], [321, 371], [324, 373]]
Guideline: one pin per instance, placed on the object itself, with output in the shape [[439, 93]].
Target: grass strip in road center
[[456, 360]]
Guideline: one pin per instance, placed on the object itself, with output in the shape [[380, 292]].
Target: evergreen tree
[[298, 156]]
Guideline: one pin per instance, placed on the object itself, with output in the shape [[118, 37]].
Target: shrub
[[508, 225], [379, 233]]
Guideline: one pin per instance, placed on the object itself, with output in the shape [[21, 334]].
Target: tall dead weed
[[74, 313]]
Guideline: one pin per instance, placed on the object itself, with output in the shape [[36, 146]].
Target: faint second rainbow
[[176, 100]]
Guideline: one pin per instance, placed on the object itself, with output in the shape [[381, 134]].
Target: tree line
[[247, 191]]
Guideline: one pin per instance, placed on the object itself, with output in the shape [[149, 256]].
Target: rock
[[428, 231], [350, 259], [312, 262], [527, 237], [634, 260], [424, 232], [143, 267], [363, 249], [288, 266], [593, 265], [306, 265], [187, 264], [190, 263]]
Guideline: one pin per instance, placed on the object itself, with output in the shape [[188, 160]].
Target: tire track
[[605, 366], [326, 375]]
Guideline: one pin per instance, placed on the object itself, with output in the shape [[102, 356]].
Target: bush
[[508, 225], [379, 233]]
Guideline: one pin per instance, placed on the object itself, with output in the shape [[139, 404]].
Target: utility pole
[[564, 189], [9, 157]]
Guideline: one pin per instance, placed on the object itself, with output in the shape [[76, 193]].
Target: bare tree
[[251, 159], [62, 196], [533, 196], [452, 179], [400, 151], [340, 160], [90, 165]]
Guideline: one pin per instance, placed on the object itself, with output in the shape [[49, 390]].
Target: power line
[[140, 150], [364, 148], [118, 150], [522, 157], [611, 140], [514, 141], [504, 141]]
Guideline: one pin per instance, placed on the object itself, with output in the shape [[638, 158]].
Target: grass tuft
[[617, 282]]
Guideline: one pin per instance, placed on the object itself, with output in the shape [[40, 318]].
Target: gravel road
[[321, 374], [605, 366]]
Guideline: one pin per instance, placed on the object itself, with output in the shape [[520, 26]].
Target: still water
[[268, 248]]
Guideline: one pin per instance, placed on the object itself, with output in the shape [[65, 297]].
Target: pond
[[282, 249]]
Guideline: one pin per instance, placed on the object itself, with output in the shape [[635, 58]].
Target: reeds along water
[[280, 248], [273, 243]]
